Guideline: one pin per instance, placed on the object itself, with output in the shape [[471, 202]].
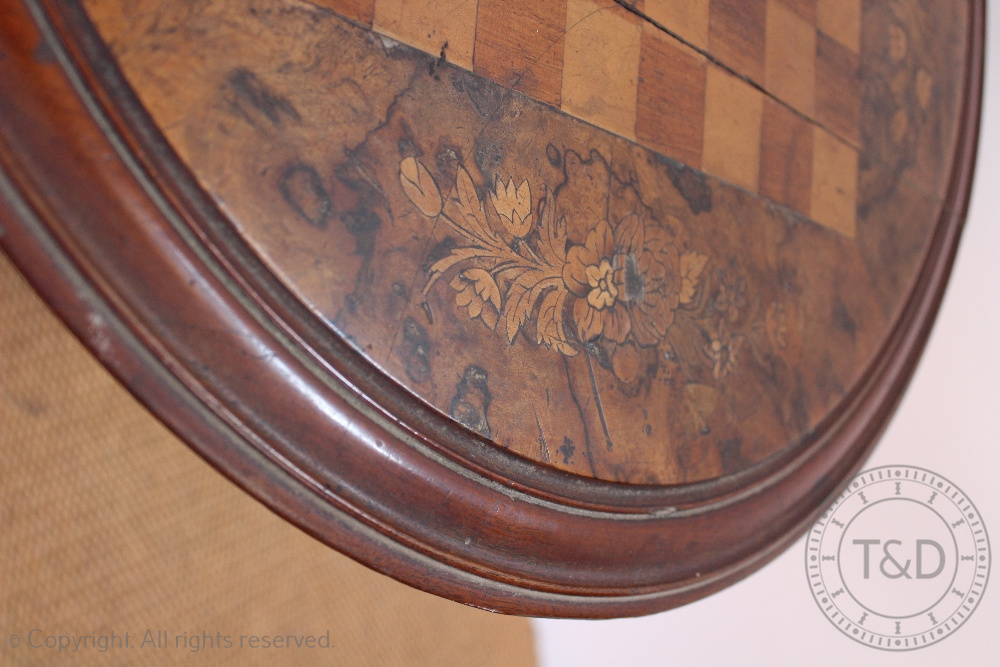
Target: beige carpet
[[108, 523]]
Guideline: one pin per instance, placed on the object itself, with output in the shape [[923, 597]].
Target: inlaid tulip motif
[[517, 271]]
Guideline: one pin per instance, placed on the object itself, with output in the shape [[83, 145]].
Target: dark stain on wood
[[361, 220], [842, 319], [471, 404], [363, 224], [439, 63], [488, 99], [800, 403], [416, 351], [554, 156], [731, 455], [692, 185], [567, 450], [245, 89], [488, 155], [302, 188], [448, 157], [439, 251]]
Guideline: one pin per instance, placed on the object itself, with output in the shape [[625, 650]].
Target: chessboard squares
[[834, 183], [841, 19], [601, 65], [786, 158], [688, 19], [671, 108], [790, 69], [433, 26], [806, 9], [733, 115], [737, 30], [838, 89], [520, 44]]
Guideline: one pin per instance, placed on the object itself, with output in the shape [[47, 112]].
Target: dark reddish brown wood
[[736, 35], [116, 234]]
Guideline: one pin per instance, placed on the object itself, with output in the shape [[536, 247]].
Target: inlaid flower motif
[[589, 274], [478, 292], [419, 187], [625, 363], [513, 205], [646, 267], [731, 297], [619, 296], [777, 325], [721, 350]]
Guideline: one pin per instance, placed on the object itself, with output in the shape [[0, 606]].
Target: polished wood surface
[[564, 292], [482, 337], [671, 75]]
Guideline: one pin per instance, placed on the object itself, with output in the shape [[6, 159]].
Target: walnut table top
[[578, 308]]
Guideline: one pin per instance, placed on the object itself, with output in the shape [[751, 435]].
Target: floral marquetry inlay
[[572, 307], [601, 302], [619, 289]]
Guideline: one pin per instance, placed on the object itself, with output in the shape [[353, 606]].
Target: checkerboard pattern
[[764, 94]]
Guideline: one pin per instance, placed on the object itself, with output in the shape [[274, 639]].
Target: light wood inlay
[[841, 19], [834, 182], [733, 113], [433, 26], [601, 67], [638, 69], [790, 72], [641, 310], [687, 18]]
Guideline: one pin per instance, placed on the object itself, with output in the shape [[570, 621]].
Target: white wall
[[949, 422]]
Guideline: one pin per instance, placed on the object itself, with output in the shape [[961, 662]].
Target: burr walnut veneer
[[581, 307]]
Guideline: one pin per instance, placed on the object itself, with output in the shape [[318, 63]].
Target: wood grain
[[733, 114], [445, 27], [267, 288], [834, 182], [841, 20], [776, 45], [838, 89], [671, 108], [362, 11], [520, 45], [688, 19], [806, 9], [786, 160], [737, 35], [790, 60], [601, 65]]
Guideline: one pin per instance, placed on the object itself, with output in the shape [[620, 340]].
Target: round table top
[[578, 307]]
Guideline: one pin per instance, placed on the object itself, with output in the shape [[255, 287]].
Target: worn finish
[[440, 222], [324, 231]]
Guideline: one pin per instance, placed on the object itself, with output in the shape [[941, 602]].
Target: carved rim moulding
[[554, 250]]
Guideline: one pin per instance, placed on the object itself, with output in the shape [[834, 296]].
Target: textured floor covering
[[108, 523]]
